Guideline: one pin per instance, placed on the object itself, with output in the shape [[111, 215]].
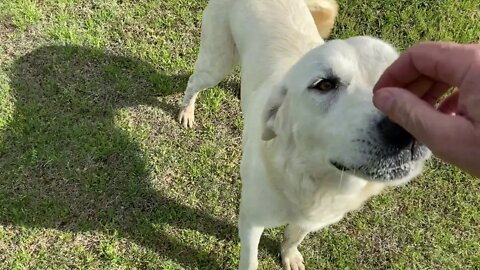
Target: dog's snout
[[394, 135]]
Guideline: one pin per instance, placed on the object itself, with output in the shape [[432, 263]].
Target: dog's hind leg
[[291, 257], [215, 61], [249, 238]]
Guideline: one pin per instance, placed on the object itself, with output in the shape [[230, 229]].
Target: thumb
[[412, 113]]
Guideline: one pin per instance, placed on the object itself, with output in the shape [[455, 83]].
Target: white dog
[[314, 146]]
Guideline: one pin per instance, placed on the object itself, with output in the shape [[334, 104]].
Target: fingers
[[451, 138], [417, 116], [435, 92], [428, 89], [448, 63], [428, 70], [450, 104], [420, 86]]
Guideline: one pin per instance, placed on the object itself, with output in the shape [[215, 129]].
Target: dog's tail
[[324, 13]]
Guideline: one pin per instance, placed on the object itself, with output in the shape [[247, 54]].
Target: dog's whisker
[[341, 179]]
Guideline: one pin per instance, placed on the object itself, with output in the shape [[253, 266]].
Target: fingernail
[[382, 99]]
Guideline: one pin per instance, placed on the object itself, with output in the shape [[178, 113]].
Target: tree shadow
[[66, 165]]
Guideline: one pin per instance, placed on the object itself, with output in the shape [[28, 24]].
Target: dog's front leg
[[291, 257], [249, 238]]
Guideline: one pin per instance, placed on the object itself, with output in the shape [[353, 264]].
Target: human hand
[[409, 89]]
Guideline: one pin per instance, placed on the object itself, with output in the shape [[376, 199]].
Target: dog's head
[[324, 110]]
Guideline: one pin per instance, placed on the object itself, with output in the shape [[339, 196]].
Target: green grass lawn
[[95, 172]]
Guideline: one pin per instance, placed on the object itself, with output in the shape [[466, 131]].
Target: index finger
[[442, 61]]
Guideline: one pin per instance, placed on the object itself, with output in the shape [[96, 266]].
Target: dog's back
[[269, 30], [227, 25]]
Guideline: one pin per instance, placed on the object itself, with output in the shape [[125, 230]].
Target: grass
[[95, 173]]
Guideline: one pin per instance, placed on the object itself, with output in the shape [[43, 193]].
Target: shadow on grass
[[66, 165]]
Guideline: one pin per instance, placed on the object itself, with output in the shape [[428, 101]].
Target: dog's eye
[[325, 85]]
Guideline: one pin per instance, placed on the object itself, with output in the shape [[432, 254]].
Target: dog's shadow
[[66, 165]]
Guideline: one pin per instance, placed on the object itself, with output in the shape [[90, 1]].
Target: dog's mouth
[[339, 166], [386, 167], [381, 172]]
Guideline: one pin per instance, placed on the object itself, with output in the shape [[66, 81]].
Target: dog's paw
[[292, 260], [186, 117]]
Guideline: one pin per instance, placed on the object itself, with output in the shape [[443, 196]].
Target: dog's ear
[[270, 112]]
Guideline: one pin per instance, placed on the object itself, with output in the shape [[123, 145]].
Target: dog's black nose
[[394, 135]]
